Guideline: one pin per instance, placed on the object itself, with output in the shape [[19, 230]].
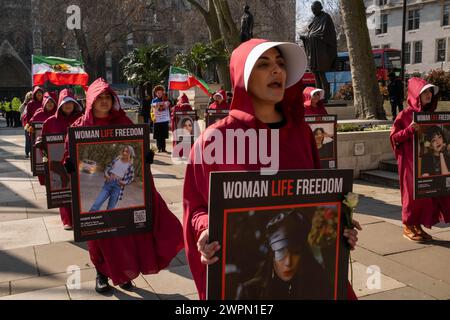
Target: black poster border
[[437, 183], [36, 169], [117, 222], [324, 163], [66, 200], [216, 214], [211, 112], [182, 114]]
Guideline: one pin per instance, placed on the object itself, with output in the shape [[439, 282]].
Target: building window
[[383, 24], [413, 19], [382, 2], [377, 46], [407, 52], [418, 52], [446, 15], [440, 50], [386, 46]]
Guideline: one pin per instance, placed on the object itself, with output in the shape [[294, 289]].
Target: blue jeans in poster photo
[[111, 189]]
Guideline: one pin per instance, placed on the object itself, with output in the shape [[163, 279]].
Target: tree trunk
[[212, 22], [85, 54], [368, 100], [230, 32]]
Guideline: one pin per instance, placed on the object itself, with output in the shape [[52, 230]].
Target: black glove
[[149, 157], [70, 166]]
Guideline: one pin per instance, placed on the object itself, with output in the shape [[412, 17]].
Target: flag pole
[[32, 78]]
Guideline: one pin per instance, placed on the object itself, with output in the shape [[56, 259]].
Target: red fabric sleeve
[[402, 135]]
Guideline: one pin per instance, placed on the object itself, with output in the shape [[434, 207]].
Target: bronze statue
[[321, 46], [246, 25]]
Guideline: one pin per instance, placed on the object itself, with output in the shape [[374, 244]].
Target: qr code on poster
[[140, 216], [447, 182]]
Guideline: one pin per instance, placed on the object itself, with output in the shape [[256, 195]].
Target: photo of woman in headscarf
[[118, 174], [326, 148], [187, 125], [290, 270], [436, 161]]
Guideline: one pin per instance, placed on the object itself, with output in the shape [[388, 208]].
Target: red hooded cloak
[[223, 105], [297, 150], [319, 109], [427, 211], [58, 124], [124, 258]]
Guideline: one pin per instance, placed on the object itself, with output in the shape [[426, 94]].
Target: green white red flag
[[59, 71], [182, 79]]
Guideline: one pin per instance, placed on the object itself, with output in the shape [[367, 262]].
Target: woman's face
[[159, 94], [425, 97], [68, 107], [319, 137], [39, 96], [437, 142], [103, 103], [187, 127], [315, 98], [50, 105], [268, 78], [126, 154], [287, 267]]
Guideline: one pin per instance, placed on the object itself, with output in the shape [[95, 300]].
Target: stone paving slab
[[440, 231], [443, 236], [172, 281], [56, 230], [406, 293], [57, 293], [177, 209], [87, 292], [57, 257], [17, 264], [434, 261], [50, 281], [389, 239], [23, 233], [171, 194], [4, 289], [361, 279], [182, 257], [364, 219], [12, 214], [404, 273]]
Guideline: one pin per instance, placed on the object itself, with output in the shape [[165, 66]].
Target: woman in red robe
[[48, 109], [67, 113], [220, 101], [266, 78], [123, 258], [314, 101], [422, 97], [182, 105]]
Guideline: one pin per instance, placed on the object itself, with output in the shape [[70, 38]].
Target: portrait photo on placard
[[110, 176]]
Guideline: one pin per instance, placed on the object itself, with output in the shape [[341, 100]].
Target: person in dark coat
[[396, 94]]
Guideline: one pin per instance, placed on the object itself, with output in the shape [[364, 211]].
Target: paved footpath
[[35, 251]]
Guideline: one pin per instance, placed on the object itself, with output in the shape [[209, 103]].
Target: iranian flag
[[181, 79], [59, 71]]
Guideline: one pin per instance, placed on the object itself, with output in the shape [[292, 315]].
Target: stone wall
[[376, 147]]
